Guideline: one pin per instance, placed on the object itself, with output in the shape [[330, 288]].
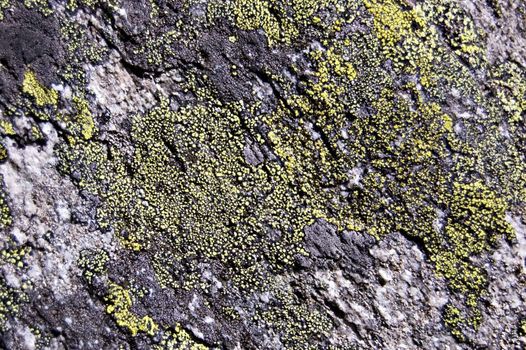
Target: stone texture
[[259, 174]]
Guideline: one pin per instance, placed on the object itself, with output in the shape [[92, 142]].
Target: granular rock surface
[[262, 174]]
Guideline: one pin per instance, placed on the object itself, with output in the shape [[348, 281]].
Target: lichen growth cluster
[[4, 5], [522, 327], [298, 324], [42, 95], [360, 133], [93, 263], [10, 301], [281, 23], [187, 192], [7, 128], [5, 212], [119, 302], [11, 298], [166, 201], [43, 6], [177, 338], [92, 4]]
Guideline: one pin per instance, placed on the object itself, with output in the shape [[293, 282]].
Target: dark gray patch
[[27, 39]]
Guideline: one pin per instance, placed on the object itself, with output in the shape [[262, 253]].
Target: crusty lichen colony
[[373, 119]]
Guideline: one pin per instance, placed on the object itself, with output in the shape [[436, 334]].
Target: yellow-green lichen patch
[[75, 4], [36, 134], [178, 339], [453, 319], [80, 47], [93, 263], [80, 125], [43, 6], [297, 322], [83, 123], [42, 95], [365, 138], [193, 194], [3, 153], [157, 48], [10, 301], [5, 213], [15, 256], [410, 38], [7, 128], [154, 9], [330, 83], [4, 5], [406, 38], [510, 85], [459, 30], [281, 22], [408, 183], [522, 327], [11, 297], [118, 304]]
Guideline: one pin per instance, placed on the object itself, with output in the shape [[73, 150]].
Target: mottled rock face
[[262, 174]]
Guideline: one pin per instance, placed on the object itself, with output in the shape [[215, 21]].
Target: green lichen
[[93, 263], [80, 49], [73, 5], [179, 159], [7, 128], [4, 5], [118, 304], [361, 140], [5, 213], [459, 30], [522, 327], [158, 48], [36, 134], [15, 256], [298, 324], [83, 122], [405, 37], [281, 22], [43, 6], [42, 96], [11, 300], [453, 319], [177, 338], [3, 153], [509, 83]]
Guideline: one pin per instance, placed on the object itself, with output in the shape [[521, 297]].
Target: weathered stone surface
[[262, 174]]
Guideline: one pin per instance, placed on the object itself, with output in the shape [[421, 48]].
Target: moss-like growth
[[361, 140], [15, 256], [281, 22], [3, 153], [93, 4], [119, 302], [10, 301], [43, 6], [4, 5], [7, 128], [43, 96], [5, 213], [93, 263], [522, 327], [177, 338]]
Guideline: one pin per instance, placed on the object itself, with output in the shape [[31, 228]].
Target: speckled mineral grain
[[262, 174]]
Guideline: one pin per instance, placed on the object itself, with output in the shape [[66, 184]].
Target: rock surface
[[262, 174]]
